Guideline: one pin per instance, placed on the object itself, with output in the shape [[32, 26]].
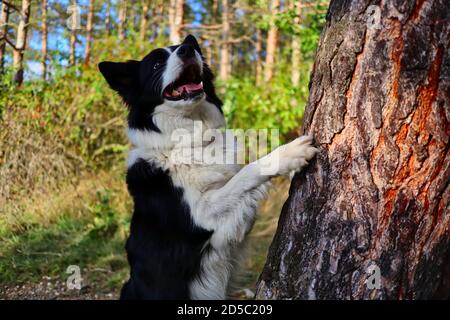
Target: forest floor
[[86, 225]]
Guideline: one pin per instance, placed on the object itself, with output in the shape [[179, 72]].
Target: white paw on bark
[[292, 156]]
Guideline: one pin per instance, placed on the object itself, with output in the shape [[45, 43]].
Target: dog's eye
[[157, 65]]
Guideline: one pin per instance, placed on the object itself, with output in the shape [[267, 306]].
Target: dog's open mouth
[[188, 86]]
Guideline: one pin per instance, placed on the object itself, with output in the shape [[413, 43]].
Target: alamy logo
[[373, 17], [229, 147], [74, 20], [74, 280], [374, 279]]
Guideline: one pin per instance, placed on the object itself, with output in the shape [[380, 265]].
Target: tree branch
[[4, 38], [236, 40], [10, 6], [202, 26]]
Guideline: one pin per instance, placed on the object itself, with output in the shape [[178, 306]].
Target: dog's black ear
[[122, 77], [190, 39]]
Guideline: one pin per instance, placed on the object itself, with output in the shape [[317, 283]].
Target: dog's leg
[[229, 210]]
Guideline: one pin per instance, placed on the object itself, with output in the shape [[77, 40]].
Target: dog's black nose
[[186, 51]]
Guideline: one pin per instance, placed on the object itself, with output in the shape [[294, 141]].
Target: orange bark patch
[[428, 92], [377, 153], [397, 63], [408, 170], [378, 148], [402, 134], [389, 199], [416, 12], [439, 212], [413, 171]]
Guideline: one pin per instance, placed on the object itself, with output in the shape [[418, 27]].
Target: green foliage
[[278, 105], [310, 29], [74, 111], [105, 222], [93, 242], [248, 106]]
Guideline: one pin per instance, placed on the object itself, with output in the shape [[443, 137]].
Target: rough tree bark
[[378, 193], [272, 41], [21, 42], [89, 27], [4, 20]]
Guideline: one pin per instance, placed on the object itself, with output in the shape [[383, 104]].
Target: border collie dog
[[190, 220]]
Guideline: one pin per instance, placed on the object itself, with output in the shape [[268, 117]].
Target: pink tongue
[[190, 87]]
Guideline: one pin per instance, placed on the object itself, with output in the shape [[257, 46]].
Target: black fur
[[164, 248]]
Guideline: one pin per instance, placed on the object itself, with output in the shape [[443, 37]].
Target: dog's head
[[176, 77]]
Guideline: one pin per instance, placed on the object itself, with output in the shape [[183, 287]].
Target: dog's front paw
[[292, 156], [296, 154]]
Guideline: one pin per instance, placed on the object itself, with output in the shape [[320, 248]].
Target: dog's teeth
[[175, 93]]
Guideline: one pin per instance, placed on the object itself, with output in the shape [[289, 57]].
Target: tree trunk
[[176, 13], [122, 18], [73, 41], [134, 15], [172, 7], [209, 53], [74, 25], [89, 26], [377, 196], [144, 20], [179, 20], [4, 20], [215, 8], [225, 48], [44, 39], [258, 62], [21, 42], [272, 41], [108, 18], [296, 53], [159, 22]]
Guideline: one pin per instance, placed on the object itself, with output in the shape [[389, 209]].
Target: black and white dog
[[190, 219]]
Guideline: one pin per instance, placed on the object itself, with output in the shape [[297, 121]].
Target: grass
[[50, 250], [87, 225]]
